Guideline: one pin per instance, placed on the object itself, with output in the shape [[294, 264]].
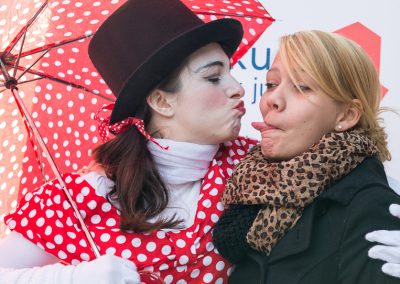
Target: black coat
[[327, 245]]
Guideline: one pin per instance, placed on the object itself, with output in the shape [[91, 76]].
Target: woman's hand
[[106, 270], [389, 248]]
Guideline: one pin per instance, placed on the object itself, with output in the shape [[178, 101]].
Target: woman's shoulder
[[231, 152], [240, 145]]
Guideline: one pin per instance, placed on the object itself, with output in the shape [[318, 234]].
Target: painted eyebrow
[[273, 70], [211, 64]]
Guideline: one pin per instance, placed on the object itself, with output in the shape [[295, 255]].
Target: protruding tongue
[[260, 126]]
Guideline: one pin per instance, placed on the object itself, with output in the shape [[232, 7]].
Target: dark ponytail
[[139, 189]]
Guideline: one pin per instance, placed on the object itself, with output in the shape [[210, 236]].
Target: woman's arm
[[388, 247], [368, 210], [21, 262], [18, 252], [229, 234]]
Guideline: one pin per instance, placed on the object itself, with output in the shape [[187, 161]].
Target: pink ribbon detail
[[105, 129]]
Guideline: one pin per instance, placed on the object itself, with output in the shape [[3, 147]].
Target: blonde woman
[[301, 202]]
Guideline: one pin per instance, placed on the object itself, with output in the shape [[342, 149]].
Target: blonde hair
[[343, 70]]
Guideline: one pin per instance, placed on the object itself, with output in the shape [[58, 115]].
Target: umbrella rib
[[64, 82], [28, 81], [235, 15], [19, 55], [4, 70], [48, 47], [30, 67], [24, 29]]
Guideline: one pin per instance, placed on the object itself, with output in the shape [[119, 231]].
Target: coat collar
[[370, 171], [298, 239]]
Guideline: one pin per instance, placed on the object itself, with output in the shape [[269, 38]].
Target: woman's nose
[[236, 90], [275, 99]]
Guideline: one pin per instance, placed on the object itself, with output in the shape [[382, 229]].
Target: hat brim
[[227, 32]]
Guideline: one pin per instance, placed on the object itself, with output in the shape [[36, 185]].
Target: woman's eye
[[304, 88], [270, 85], [214, 80]]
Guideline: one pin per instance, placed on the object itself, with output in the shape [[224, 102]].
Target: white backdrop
[[381, 17]]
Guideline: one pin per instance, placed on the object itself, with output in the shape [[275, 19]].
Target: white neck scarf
[[183, 162]]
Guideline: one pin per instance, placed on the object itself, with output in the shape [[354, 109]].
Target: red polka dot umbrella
[[43, 59]]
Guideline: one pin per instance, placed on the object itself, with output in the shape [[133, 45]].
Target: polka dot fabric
[[253, 16], [183, 256], [64, 114]]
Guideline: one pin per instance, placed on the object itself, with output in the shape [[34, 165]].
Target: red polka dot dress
[[46, 218]]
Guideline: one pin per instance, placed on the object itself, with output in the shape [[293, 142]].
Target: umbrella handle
[[25, 114]]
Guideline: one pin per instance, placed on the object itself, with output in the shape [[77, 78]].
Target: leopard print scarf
[[286, 188]]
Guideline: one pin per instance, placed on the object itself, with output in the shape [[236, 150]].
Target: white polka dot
[[92, 204], [163, 266], [201, 215], [207, 278], [106, 207], [121, 239], [141, 257], [32, 213], [83, 243], [168, 279], [151, 246], [183, 260], [95, 219], [24, 222], [195, 273], [71, 248], [84, 256], [105, 237], [207, 203], [49, 213], [58, 239], [214, 192], [126, 254], [111, 251], [40, 222], [72, 235], [166, 250], [111, 222], [181, 243], [29, 233], [220, 265], [136, 242], [50, 245], [62, 255], [214, 218], [48, 231], [207, 260], [12, 224]]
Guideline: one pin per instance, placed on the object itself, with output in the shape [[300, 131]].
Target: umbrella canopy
[[43, 46]]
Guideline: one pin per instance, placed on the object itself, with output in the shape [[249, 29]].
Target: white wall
[[382, 17]]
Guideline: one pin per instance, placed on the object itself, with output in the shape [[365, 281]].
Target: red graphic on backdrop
[[369, 41]]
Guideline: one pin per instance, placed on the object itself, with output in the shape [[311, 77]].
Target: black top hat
[[143, 41]]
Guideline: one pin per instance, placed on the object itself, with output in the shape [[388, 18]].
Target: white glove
[[389, 248], [107, 269]]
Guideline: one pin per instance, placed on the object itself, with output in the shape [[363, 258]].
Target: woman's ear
[[350, 116], [162, 102]]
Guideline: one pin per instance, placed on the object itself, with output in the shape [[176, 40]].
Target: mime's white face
[[208, 107]]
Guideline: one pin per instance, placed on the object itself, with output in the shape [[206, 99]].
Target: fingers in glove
[[385, 237], [395, 210], [385, 253], [391, 269]]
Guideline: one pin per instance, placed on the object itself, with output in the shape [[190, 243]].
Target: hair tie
[[105, 128]]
